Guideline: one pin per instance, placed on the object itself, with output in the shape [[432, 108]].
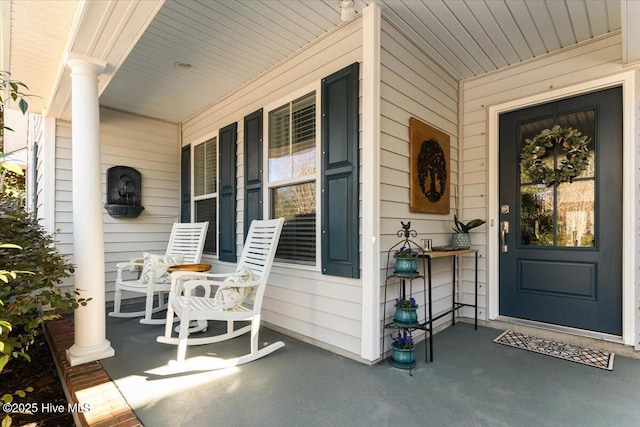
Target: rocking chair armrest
[[189, 285], [136, 263], [153, 267], [179, 278], [185, 288], [203, 275], [250, 284]]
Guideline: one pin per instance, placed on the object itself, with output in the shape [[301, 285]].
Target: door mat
[[574, 353]]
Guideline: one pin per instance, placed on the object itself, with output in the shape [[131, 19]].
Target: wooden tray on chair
[[199, 267]]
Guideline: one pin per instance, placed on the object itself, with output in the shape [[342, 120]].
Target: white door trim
[[630, 176]]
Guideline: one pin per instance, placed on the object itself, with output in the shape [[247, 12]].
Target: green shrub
[[20, 300], [31, 269]]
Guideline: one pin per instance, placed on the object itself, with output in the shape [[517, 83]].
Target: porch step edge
[[87, 386]]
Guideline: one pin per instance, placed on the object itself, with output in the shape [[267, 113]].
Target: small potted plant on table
[[461, 238], [403, 354]]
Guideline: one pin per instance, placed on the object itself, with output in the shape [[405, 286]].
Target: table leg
[[476, 302], [453, 292], [430, 313]]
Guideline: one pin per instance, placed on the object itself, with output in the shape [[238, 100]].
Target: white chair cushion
[[155, 267], [230, 297]]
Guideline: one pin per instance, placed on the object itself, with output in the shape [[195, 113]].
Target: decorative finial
[[407, 228]]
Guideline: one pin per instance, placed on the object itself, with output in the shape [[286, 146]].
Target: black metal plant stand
[[393, 277]]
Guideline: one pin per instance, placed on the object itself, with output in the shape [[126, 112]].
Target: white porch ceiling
[[232, 42], [34, 38], [228, 42]]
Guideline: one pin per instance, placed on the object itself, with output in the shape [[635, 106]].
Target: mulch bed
[[47, 393]]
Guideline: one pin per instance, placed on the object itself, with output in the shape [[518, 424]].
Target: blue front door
[[561, 261]]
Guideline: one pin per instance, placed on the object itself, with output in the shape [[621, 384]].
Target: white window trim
[[195, 198], [266, 188]]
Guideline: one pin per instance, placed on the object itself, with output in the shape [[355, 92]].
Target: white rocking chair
[[186, 242], [256, 260]]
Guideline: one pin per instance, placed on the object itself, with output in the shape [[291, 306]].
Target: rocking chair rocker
[[254, 265]]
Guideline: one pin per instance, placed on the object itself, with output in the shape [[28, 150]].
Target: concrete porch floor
[[472, 382]]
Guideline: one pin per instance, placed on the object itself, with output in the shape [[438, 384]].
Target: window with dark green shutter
[[293, 178]]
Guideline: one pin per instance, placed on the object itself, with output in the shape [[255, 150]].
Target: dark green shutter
[[185, 184], [252, 168], [340, 251], [227, 193]]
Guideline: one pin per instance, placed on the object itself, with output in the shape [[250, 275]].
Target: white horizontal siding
[[150, 146], [62, 189], [322, 308], [412, 85], [153, 148], [578, 64]]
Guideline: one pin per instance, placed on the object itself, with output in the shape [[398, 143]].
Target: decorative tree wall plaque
[[429, 151]]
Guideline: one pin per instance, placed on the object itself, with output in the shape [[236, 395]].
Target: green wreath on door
[[536, 149]]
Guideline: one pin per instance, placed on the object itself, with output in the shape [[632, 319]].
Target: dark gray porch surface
[[472, 382]]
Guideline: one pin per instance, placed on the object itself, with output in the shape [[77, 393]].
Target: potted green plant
[[460, 237], [403, 354], [406, 314], [405, 261]]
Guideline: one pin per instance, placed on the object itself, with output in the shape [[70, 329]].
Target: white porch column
[[90, 341], [371, 268]]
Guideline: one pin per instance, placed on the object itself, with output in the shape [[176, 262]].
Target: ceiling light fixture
[[348, 10], [184, 66]]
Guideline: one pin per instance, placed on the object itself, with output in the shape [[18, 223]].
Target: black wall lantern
[[124, 191]]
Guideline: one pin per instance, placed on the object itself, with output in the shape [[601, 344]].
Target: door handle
[[504, 230]]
